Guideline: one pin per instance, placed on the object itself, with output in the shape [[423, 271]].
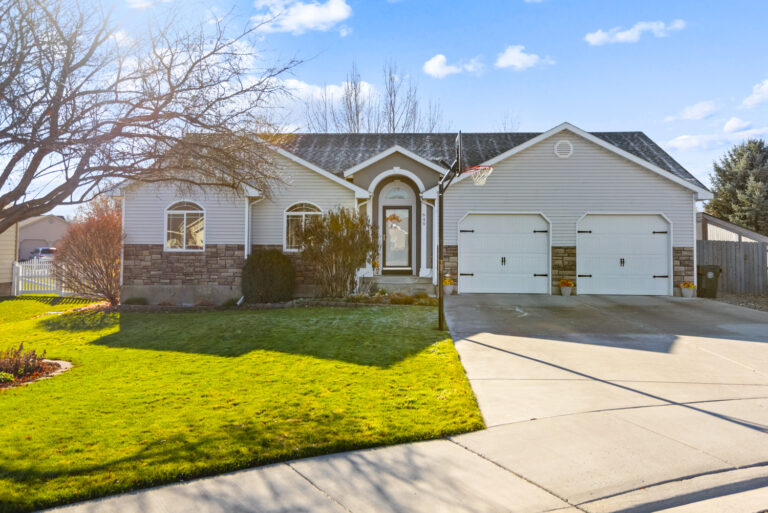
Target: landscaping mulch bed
[[753, 302], [50, 368]]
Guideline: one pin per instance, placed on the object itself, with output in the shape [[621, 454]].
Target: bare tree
[[397, 109], [82, 106], [509, 122], [87, 260]]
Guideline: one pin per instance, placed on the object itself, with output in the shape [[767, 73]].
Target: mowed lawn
[[158, 397]]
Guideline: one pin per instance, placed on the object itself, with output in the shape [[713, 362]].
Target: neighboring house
[[610, 210], [709, 227], [40, 232], [8, 245]]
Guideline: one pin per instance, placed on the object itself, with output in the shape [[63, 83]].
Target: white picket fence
[[35, 277]]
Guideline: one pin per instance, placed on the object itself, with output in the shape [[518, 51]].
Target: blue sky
[[693, 75]]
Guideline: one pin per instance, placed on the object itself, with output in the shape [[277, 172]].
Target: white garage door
[[504, 253], [623, 254]]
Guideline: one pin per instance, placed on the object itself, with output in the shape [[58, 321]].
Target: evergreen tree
[[740, 186]]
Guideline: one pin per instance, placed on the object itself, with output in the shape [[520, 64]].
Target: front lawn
[[159, 397]]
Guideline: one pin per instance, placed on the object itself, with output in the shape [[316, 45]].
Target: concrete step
[[409, 285]]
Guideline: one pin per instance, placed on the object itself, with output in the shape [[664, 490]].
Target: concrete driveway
[[620, 403]]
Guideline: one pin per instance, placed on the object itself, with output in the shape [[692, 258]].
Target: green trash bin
[[708, 276]]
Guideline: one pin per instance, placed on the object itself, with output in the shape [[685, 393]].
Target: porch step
[[409, 285]]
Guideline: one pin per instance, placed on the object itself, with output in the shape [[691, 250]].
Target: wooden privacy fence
[[744, 264], [35, 277]]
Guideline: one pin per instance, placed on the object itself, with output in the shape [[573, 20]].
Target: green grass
[[158, 397]]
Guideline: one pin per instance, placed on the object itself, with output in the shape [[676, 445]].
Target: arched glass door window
[[185, 227], [295, 218]]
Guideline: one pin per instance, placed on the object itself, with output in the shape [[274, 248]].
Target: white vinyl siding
[[7, 253], [145, 211], [592, 179], [302, 185]]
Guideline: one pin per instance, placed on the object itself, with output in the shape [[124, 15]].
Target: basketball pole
[[441, 187]]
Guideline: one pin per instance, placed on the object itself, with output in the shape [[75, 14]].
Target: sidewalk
[[434, 476]]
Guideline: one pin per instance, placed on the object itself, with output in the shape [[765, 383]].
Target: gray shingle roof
[[339, 152]]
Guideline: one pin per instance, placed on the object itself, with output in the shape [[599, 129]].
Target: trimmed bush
[[6, 377], [268, 277]]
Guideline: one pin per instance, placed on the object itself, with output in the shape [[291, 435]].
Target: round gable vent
[[563, 149]]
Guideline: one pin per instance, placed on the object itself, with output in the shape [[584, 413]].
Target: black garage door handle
[[661, 276], [585, 276], [466, 274]]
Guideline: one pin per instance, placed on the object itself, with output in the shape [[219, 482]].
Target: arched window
[[397, 193], [184, 227], [295, 217]]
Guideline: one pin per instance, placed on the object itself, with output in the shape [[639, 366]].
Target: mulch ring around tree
[[50, 368]]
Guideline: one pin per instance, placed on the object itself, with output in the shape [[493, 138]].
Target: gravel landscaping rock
[[753, 302]]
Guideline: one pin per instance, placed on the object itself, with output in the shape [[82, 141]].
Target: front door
[[397, 238]]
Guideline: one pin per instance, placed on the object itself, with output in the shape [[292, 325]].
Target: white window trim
[[165, 227], [320, 212]]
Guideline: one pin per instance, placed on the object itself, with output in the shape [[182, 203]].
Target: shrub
[[17, 362], [268, 277], [136, 301], [87, 260], [336, 245], [5, 377], [230, 302], [400, 299]]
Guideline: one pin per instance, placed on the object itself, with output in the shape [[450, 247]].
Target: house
[[709, 227], [40, 232], [609, 210], [8, 240]]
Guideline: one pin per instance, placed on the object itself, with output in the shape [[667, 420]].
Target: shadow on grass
[[49, 300], [377, 337], [179, 458]]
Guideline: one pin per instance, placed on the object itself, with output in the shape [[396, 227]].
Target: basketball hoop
[[479, 174]]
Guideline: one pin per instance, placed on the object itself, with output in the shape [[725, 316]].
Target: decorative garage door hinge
[[585, 231], [540, 231], [466, 274], [466, 231], [660, 232], [585, 276], [661, 276], [537, 275]]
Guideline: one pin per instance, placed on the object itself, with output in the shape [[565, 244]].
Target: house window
[[295, 219], [397, 193], [185, 227]]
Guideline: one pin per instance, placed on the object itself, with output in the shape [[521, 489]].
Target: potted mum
[[687, 289], [448, 286], [566, 287]]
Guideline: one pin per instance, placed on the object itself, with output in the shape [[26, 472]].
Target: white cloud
[[438, 66], [696, 111], [143, 4], [709, 141], [736, 125], [121, 37], [305, 91], [758, 96], [344, 31], [632, 35], [515, 57], [298, 17]]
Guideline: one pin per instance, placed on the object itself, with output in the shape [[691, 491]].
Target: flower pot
[[688, 292], [565, 291], [448, 289]]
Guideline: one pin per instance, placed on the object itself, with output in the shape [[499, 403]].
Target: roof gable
[[630, 139]]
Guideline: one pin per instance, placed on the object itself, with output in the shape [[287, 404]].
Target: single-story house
[[40, 232], [8, 241], [611, 211], [709, 227]]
